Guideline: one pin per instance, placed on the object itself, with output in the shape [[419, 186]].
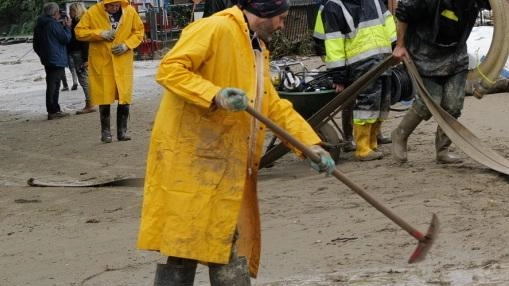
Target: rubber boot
[[380, 138], [400, 135], [176, 272], [104, 111], [234, 273], [363, 151], [122, 116], [442, 143], [347, 125]]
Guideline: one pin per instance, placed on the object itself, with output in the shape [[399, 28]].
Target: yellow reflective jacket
[[110, 76], [202, 163], [354, 30]]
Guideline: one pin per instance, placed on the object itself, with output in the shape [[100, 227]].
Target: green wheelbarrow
[[307, 104]]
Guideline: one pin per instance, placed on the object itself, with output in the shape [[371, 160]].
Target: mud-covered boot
[[235, 273], [400, 135], [104, 111], [176, 272], [347, 125], [442, 143], [122, 116]]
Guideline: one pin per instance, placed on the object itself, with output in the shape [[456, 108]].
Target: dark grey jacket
[[436, 43]]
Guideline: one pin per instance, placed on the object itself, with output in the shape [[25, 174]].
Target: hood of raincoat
[[123, 3]]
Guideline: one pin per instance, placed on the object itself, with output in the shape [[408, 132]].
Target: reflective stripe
[[319, 31], [346, 14], [379, 11], [449, 15], [363, 117]]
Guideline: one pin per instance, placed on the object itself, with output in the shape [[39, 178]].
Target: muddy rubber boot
[[122, 116], [363, 139], [347, 125], [442, 143], [234, 273], [400, 135], [104, 111], [176, 272]]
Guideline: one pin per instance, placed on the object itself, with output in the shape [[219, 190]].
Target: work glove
[[119, 49], [231, 98], [108, 35], [326, 164]]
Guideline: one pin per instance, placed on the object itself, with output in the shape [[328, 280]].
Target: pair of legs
[[181, 271], [449, 93], [347, 126], [368, 112], [53, 77], [82, 74], [122, 116], [74, 76]]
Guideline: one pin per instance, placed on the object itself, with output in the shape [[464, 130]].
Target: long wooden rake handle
[[336, 173]]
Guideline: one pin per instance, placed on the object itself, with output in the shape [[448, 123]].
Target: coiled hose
[[486, 73]]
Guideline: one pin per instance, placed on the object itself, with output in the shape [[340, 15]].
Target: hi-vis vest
[[372, 35]]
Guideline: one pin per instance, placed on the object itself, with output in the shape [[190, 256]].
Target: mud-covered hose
[[485, 74]]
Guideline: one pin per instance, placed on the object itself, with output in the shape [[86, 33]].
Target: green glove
[[119, 49], [326, 164], [231, 98]]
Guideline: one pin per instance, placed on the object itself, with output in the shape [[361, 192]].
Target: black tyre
[[330, 136]]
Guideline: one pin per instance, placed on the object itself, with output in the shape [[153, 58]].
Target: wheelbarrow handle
[[336, 173]]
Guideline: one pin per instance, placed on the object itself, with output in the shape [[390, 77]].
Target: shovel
[[424, 241]]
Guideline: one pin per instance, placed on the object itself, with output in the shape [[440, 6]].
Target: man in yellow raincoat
[[200, 202], [114, 29]]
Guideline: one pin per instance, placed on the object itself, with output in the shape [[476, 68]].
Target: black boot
[[176, 272], [122, 116], [347, 125], [234, 273], [104, 111]]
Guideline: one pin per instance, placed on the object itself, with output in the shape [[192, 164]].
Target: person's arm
[[400, 52]]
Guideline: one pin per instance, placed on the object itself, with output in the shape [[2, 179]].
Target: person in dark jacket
[[433, 33], [50, 41], [79, 55]]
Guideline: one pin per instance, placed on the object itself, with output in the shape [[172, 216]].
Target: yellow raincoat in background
[[110, 77], [202, 163]]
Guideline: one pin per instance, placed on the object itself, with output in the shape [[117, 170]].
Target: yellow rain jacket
[[110, 76], [202, 163]]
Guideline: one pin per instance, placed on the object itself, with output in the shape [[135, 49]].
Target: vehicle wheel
[[330, 136]]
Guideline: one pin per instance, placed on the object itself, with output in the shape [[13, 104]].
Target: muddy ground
[[315, 230]]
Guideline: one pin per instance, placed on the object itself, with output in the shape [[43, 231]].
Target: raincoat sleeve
[[84, 30], [189, 54], [138, 30], [283, 114]]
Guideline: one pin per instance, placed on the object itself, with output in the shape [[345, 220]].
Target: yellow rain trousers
[[110, 77], [202, 163]]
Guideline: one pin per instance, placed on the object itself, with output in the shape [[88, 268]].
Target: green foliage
[[18, 16], [280, 46]]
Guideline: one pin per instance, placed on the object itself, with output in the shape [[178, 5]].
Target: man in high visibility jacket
[[356, 35], [433, 33]]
